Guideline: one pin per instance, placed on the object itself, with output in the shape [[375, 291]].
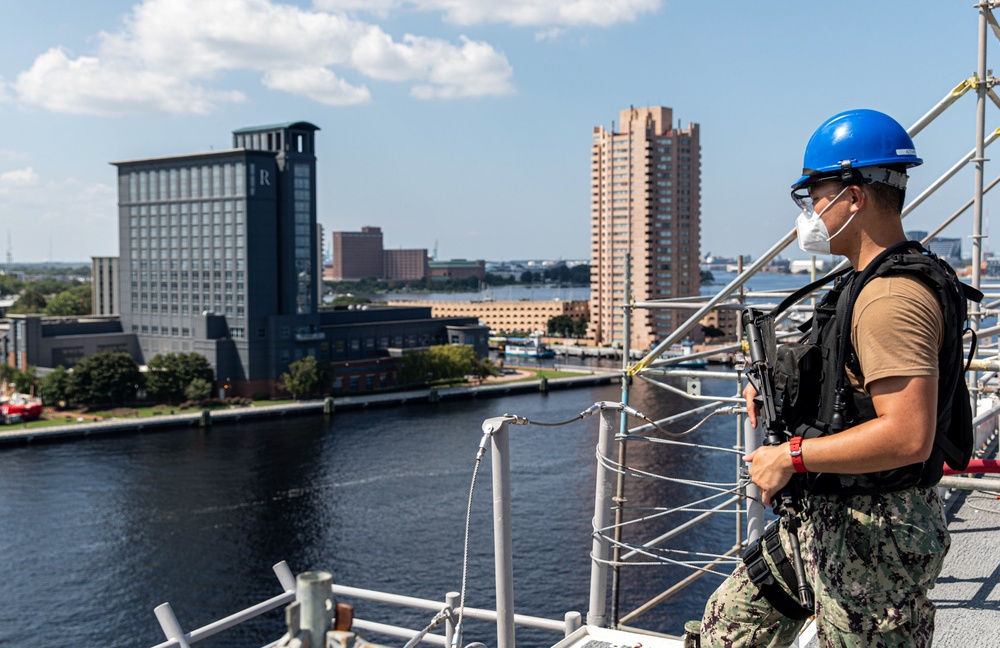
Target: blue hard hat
[[855, 139]]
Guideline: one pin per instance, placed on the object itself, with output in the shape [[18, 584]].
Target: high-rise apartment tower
[[645, 215]]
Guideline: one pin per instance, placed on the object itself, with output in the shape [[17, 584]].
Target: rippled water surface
[[95, 533]]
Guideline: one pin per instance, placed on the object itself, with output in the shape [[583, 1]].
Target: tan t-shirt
[[897, 329]]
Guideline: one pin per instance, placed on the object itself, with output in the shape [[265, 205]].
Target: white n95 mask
[[811, 230]]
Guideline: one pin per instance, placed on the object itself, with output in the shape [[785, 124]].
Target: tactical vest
[[809, 376]]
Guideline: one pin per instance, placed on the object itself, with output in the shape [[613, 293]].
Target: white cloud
[[551, 33], [17, 178], [318, 83], [521, 13], [471, 73], [90, 85], [173, 56]]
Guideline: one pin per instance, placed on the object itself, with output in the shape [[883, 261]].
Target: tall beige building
[[645, 201], [104, 293]]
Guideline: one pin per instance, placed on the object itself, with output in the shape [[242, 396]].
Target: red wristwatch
[[795, 450]]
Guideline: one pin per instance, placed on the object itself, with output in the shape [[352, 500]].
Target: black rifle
[[788, 501]]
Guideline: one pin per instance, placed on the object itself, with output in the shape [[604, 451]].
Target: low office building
[[405, 265], [457, 269], [48, 342], [362, 345], [507, 316]]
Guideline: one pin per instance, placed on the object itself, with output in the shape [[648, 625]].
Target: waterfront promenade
[[514, 381]]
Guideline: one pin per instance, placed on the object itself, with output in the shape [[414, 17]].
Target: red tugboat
[[16, 407]]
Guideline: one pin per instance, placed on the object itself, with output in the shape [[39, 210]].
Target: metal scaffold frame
[[733, 296]]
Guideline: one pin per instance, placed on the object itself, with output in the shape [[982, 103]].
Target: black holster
[[761, 576]]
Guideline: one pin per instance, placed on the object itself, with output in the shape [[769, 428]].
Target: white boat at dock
[[527, 347]]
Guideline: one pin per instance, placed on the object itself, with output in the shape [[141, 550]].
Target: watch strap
[[795, 450]]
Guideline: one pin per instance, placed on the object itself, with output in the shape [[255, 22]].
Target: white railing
[[177, 638]]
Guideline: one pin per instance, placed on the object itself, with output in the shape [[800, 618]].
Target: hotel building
[[189, 227], [645, 216]]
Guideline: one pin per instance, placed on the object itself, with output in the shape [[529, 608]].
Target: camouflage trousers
[[870, 560]]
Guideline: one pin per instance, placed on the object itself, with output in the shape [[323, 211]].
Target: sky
[[464, 126]]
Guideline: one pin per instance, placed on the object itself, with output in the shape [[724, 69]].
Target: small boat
[[16, 407], [529, 347]]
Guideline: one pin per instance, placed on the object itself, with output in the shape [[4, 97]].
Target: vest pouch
[[797, 377]]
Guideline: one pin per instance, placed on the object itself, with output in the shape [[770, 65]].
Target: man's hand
[[770, 468], [749, 393]]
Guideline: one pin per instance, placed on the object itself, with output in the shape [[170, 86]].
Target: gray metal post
[[597, 615], [169, 624], [452, 600], [982, 86], [573, 621], [502, 545], [313, 592], [755, 509]]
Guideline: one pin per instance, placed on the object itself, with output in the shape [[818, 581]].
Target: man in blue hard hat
[[863, 451]]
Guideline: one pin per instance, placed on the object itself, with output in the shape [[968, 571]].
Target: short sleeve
[[897, 329]]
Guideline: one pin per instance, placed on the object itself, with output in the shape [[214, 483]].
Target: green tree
[[10, 285], [26, 380], [198, 389], [30, 301], [105, 378], [302, 378], [51, 286], [54, 387], [574, 327], [169, 374], [443, 362], [484, 368], [349, 300], [75, 301]]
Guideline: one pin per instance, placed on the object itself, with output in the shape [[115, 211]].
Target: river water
[[97, 532]]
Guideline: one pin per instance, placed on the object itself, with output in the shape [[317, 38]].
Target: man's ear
[[858, 197]]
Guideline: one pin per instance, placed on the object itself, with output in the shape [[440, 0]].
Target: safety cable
[[631, 411], [650, 552], [438, 618], [723, 488], [480, 453]]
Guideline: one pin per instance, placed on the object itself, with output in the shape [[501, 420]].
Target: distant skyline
[[465, 125]]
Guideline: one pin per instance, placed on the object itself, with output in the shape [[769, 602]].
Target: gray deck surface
[[967, 593]]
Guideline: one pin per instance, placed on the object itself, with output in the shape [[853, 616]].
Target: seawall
[[16, 434]]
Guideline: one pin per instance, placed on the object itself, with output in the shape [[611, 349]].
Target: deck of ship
[[967, 593]]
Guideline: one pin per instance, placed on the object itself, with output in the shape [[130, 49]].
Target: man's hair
[[886, 198]]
